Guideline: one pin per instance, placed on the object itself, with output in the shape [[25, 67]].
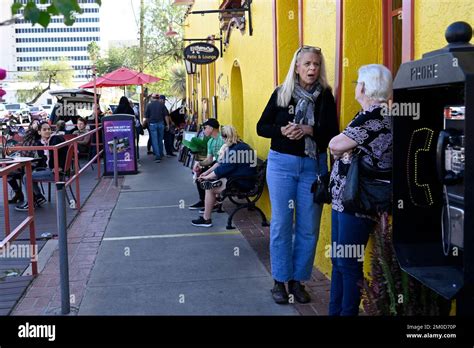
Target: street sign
[[201, 53]]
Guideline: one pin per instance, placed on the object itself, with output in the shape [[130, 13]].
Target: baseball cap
[[155, 96], [162, 97], [212, 122]]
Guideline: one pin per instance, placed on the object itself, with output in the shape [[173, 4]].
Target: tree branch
[[40, 93]]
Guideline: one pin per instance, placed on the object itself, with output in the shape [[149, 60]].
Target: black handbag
[[365, 192], [320, 187]]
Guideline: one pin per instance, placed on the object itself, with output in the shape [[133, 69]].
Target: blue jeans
[[289, 180], [46, 174], [156, 133], [353, 232]]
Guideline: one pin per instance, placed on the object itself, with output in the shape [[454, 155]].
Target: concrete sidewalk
[[152, 261], [132, 250]]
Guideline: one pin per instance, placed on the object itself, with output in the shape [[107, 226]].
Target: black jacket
[[274, 117], [43, 160]]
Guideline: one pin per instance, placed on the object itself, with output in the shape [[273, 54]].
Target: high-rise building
[[30, 45]]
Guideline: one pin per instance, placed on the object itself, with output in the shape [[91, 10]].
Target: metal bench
[[235, 194]]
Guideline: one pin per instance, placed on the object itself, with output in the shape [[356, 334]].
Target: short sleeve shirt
[[214, 145], [372, 132]]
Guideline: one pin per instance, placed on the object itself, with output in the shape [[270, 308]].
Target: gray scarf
[[304, 113]]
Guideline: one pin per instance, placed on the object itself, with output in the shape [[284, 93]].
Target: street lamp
[[190, 67], [170, 32]]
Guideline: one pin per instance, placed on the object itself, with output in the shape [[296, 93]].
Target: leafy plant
[[390, 291], [197, 145]]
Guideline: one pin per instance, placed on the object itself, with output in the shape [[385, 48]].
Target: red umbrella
[[122, 77]]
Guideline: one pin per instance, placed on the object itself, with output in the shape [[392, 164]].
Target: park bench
[[249, 197]]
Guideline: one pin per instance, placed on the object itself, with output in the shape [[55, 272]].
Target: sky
[[118, 21]]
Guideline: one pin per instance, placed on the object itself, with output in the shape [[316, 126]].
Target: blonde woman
[[300, 119], [235, 159]]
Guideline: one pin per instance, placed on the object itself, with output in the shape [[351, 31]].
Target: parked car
[[72, 103], [48, 108], [20, 111], [38, 113]]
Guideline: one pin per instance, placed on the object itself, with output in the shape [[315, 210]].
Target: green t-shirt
[[214, 145]]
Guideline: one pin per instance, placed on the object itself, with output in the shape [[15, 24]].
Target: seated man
[[84, 143], [211, 128], [236, 161]]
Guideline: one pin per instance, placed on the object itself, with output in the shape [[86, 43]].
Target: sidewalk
[[152, 261]]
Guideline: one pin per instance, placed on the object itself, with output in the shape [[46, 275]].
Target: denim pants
[[289, 180], [156, 131], [46, 174], [353, 232]]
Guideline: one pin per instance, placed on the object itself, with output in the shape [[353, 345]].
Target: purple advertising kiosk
[[121, 127]]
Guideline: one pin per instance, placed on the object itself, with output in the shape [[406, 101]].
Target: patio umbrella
[[122, 77]]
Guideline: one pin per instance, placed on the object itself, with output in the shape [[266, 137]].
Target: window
[[393, 26]]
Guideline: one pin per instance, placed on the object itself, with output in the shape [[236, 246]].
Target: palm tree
[[178, 80]]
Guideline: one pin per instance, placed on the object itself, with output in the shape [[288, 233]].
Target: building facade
[[351, 33], [30, 45]]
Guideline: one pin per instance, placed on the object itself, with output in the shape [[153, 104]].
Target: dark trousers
[[137, 143], [12, 180], [169, 139], [201, 191], [348, 233]]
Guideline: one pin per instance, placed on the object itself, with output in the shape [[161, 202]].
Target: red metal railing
[[29, 221], [72, 142]]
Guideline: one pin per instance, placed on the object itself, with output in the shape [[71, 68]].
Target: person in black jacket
[[300, 119], [44, 168]]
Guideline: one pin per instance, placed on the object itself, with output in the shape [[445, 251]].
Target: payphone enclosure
[[433, 155]]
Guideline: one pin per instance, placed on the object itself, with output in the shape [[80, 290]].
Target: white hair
[[286, 89], [377, 81]]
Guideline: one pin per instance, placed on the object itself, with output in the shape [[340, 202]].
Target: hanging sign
[[201, 53]]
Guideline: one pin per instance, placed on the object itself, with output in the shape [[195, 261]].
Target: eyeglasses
[[306, 47]]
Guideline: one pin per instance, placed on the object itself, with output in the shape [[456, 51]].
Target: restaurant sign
[[201, 53]]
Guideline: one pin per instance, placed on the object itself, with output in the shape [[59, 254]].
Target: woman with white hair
[[370, 133], [300, 119]]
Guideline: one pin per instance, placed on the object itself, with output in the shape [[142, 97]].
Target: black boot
[[296, 289], [17, 198], [279, 293]]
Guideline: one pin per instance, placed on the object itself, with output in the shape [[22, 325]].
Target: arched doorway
[[237, 96]]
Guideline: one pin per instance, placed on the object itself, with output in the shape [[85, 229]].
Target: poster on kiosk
[[121, 127]]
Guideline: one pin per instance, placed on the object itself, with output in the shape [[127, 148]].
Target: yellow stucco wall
[[432, 17], [323, 36]]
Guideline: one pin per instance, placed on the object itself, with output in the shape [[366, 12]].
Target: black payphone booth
[[433, 166]]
